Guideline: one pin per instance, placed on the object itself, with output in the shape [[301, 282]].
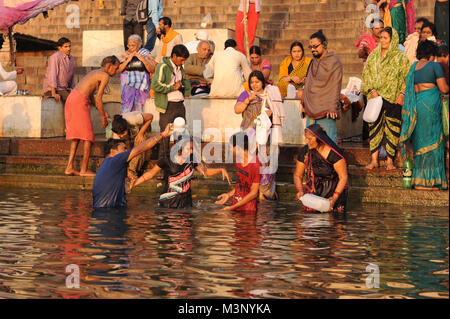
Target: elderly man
[[322, 89], [229, 68], [200, 36], [196, 63]]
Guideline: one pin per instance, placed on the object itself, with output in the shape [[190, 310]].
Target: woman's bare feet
[[390, 164], [71, 172], [87, 173], [390, 167], [372, 165]]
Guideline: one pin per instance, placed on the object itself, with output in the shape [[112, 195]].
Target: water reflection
[[280, 252]]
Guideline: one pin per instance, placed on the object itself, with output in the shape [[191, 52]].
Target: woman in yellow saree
[[293, 69]]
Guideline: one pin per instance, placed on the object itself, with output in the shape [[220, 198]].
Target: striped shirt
[[138, 79]]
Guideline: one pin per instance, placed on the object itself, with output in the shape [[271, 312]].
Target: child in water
[[178, 172]]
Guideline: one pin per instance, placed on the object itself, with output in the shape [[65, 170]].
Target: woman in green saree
[[422, 119], [384, 75]]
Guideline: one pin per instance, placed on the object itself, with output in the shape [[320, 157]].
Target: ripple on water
[[280, 252]]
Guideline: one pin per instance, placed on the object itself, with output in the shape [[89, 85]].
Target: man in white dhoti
[[229, 69]]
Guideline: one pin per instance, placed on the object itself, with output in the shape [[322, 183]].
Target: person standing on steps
[[78, 116], [322, 90], [130, 23]]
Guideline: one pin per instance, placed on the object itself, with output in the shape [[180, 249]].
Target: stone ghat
[[33, 116]]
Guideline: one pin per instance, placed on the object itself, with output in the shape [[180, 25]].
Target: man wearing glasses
[[322, 89]]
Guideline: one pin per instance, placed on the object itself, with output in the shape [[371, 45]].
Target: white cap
[[179, 124], [202, 35]]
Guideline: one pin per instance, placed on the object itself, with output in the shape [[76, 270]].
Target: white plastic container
[[315, 202], [373, 109]]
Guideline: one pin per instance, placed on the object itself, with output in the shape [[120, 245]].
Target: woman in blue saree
[[422, 119]]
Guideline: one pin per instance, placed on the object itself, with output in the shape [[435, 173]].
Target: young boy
[[248, 171], [78, 117], [178, 172]]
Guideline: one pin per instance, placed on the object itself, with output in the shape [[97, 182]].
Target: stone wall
[[281, 22]]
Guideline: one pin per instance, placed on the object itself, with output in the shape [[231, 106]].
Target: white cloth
[[8, 86], [175, 96], [229, 68], [192, 46]]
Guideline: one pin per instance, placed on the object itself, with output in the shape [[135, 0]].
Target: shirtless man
[[77, 114]]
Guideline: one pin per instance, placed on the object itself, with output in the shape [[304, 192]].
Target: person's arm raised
[[148, 118], [151, 142]]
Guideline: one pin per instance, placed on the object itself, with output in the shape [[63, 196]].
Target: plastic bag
[[207, 21], [373, 109]]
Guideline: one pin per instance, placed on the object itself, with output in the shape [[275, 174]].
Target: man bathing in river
[[109, 183], [77, 114]]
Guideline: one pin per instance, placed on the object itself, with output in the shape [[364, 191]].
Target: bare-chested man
[[78, 117]]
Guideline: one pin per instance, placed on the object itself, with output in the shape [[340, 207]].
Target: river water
[[279, 252]]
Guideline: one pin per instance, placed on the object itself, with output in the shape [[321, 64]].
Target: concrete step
[[213, 188]]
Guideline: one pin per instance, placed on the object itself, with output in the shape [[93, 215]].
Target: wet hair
[[442, 51], [230, 43], [119, 124], [166, 21], [111, 144], [423, 20], [319, 35], [429, 25], [112, 59], [388, 30], [255, 50], [62, 41], [426, 49], [180, 51], [258, 74], [297, 44], [238, 138]]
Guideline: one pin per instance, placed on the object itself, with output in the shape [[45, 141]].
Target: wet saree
[[422, 125], [286, 69], [267, 154], [321, 178]]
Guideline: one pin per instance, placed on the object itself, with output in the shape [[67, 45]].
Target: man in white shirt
[[229, 69], [7, 84]]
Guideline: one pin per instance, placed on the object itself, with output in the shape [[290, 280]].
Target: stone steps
[[281, 22], [213, 188]]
